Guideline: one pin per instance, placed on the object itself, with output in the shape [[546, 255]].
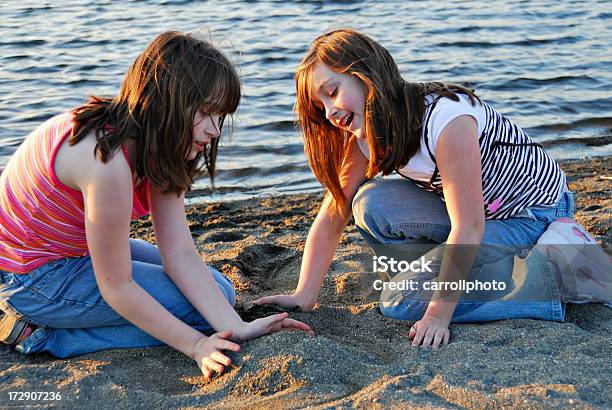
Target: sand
[[358, 358]]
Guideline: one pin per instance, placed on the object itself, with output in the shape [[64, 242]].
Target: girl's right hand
[[207, 352]]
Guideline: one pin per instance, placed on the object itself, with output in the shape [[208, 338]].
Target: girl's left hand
[[431, 331], [272, 324]]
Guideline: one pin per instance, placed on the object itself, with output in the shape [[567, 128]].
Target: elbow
[[116, 293], [333, 218], [469, 233], [475, 230]]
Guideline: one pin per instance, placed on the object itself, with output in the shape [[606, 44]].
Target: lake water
[[545, 64]]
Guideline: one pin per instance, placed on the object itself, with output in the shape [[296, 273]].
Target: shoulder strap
[[428, 186], [426, 132]]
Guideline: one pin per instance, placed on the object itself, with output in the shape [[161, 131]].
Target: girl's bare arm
[[458, 157], [185, 266], [192, 276], [325, 235], [107, 193]]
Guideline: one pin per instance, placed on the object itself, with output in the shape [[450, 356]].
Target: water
[[545, 64]]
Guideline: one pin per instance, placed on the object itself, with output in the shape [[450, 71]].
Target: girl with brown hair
[[71, 279], [360, 118]]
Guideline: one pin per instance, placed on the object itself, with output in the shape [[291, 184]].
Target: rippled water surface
[[545, 64]]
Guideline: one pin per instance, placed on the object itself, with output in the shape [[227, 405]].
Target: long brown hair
[[176, 75], [393, 108]]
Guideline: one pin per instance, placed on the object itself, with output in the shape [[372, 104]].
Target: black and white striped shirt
[[516, 171]]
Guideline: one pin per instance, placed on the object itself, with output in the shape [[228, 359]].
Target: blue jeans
[[397, 217], [63, 299]]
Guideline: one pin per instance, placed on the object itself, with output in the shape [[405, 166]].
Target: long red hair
[[393, 108]]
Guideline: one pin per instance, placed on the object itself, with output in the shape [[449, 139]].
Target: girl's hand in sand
[[286, 301], [272, 324], [207, 352], [430, 331]]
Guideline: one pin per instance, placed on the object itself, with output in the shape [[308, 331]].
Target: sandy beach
[[358, 358]]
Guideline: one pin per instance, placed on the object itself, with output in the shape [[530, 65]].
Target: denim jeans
[[397, 217], [63, 299]]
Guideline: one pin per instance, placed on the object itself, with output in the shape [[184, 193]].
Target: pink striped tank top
[[41, 219]]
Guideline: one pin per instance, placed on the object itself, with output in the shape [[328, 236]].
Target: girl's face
[[205, 128], [340, 96]]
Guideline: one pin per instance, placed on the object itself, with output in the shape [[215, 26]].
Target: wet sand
[[358, 358]]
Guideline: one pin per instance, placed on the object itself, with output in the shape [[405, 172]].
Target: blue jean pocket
[[32, 278], [20, 293]]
